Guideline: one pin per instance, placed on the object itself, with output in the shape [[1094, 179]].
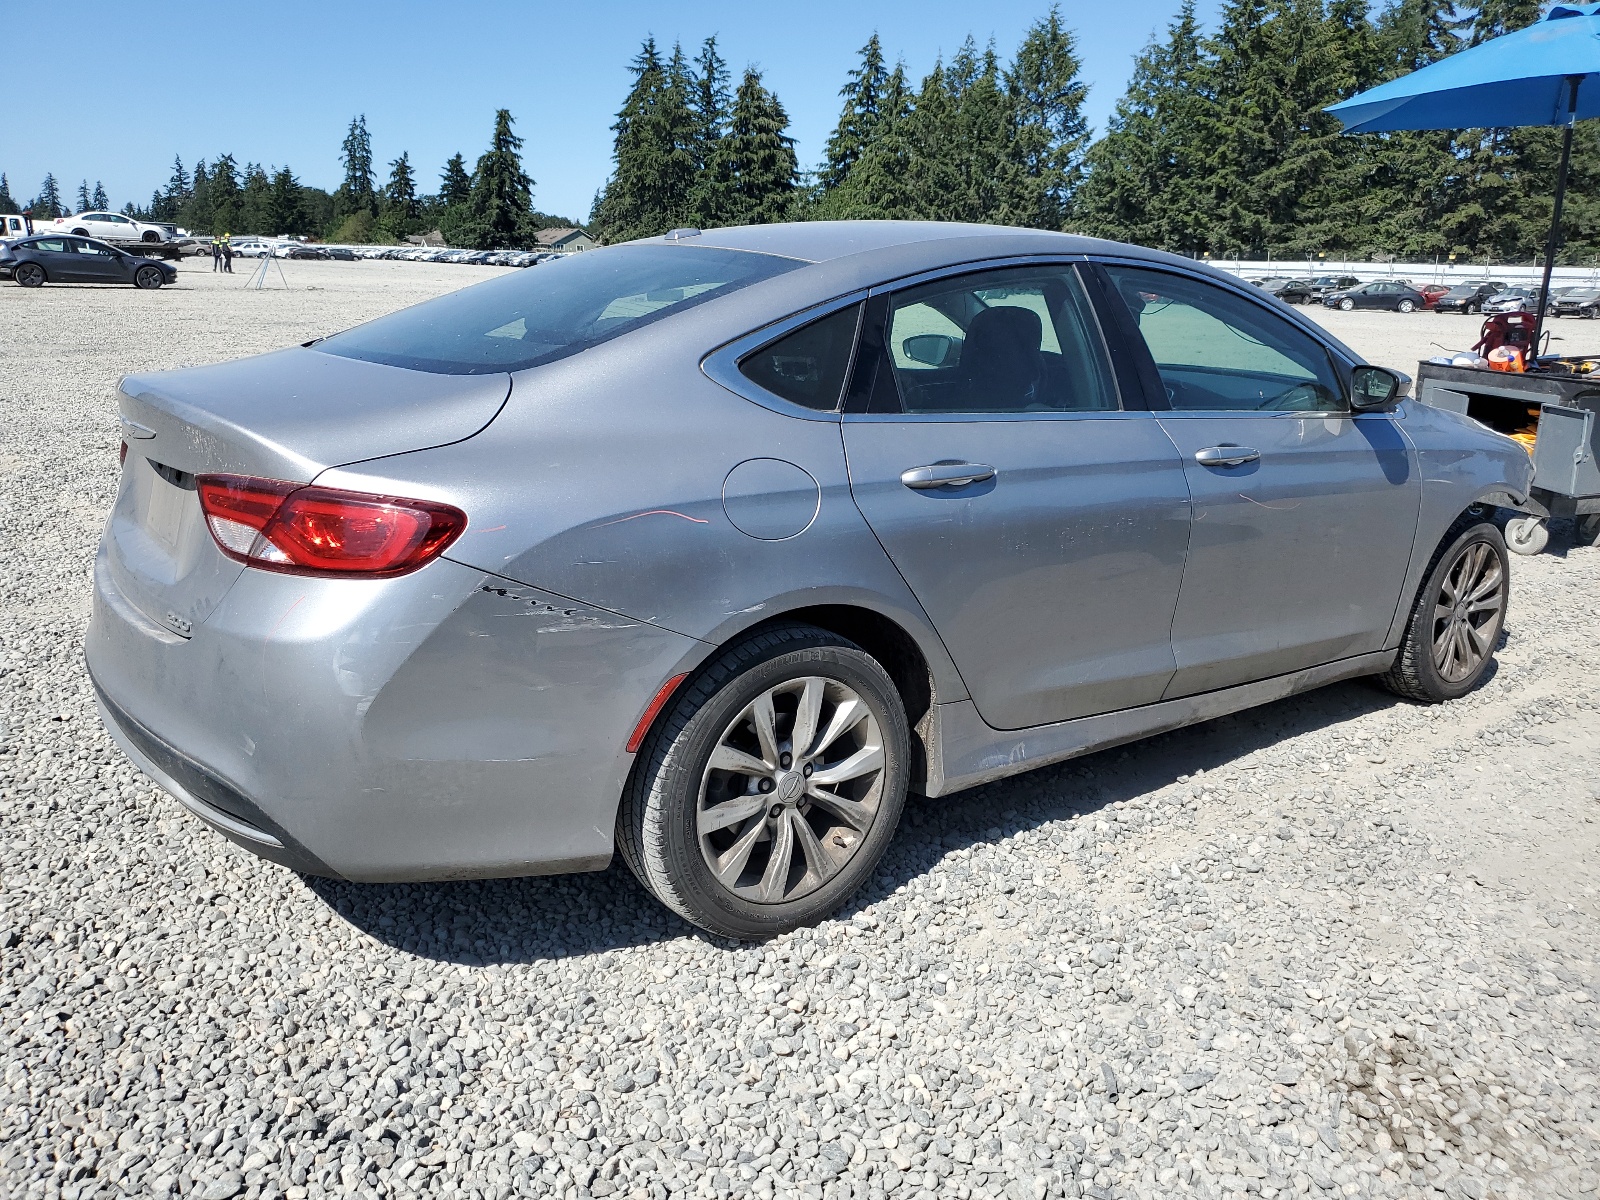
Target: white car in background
[[108, 227]]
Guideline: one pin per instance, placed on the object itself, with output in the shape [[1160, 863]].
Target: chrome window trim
[[954, 418], [721, 366]]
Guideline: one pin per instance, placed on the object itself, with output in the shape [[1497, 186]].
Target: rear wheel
[[1456, 620], [81, 232], [151, 236], [770, 790], [30, 275], [148, 277], [1407, 306]]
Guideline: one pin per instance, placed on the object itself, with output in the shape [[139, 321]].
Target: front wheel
[[1456, 620], [1527, 535], [769, 791], [1346, 305], [30, 275], [1407, 306], [148, 278]]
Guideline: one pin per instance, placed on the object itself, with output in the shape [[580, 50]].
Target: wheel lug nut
[[785, 760], [776, 812], [766, 785], [809, 769]]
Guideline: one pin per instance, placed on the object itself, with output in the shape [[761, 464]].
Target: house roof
[[553, 237]]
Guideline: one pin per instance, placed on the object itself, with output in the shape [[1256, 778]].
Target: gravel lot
[[1339, 946]]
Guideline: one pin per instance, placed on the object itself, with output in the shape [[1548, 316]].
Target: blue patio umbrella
[[1534, 76]]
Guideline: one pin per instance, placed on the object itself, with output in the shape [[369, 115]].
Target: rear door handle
[[946, 474], [1226, 455]]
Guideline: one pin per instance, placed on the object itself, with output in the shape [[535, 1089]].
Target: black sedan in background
[[1323, 284], [60, 258], [1290, 291], [1468, 297], [1576, 302], [1392, 294]]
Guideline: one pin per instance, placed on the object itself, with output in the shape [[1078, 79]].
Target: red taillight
[[304, 530]]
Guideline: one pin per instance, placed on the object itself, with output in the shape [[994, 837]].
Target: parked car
[[57, 258], [1577, 302], [246, 248], [1512, 299], [1468, 297], [1290, 291], [111, 227], [1385, 293], [708, 549], [1431, 293], [1323, 284], [343, 253]]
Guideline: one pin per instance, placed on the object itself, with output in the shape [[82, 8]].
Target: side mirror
[[930, 349], [1375, 389]]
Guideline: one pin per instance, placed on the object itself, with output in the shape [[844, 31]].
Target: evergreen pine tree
[[83, 197], [651, 188], [754, 163], [863, 106], [196, 212], [225, 196], [7, 204], [455, 185], [878, 185], [499, 211], [47, 204], [401, 209], [255, 215], [284, 214], [1048, 131], [356, 193], [1144, 176], [99, 199], [708, 102]]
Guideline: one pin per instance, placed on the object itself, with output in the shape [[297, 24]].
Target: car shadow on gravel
[[506, 921]]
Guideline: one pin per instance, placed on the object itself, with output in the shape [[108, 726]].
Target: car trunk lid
[[287, 415]]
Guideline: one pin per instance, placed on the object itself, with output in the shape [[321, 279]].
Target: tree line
[[1219, 146], [488, 208]]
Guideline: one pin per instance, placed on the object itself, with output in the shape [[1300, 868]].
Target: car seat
[[1001, 363]]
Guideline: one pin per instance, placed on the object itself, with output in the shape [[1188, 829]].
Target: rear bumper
[[436, 726]]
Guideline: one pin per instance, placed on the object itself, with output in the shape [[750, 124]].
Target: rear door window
[[564, 307], [1018, 340]]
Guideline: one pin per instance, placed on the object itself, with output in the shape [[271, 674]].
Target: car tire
[[148, 277], [1474, 309], [1527, 535], [150, 236], [1444, 658], [1407, 306], [736, 873], [1346, 304], [1586, 529], [29, 275], [81, 232]]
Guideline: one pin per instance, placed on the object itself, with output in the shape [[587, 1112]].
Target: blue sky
[[279, 82]]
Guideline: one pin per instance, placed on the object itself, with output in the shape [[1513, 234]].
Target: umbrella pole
[[1554, 242]]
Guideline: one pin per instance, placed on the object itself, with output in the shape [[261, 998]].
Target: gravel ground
[[1338, 946]]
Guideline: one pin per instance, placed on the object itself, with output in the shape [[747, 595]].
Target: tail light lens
[[300, 529]]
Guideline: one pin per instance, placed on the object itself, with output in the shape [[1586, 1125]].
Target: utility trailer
[[1555, 413]]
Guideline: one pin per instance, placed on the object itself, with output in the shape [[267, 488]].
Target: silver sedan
[[709, 547]]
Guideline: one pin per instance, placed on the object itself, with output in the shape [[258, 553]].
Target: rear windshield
[[553, 310]]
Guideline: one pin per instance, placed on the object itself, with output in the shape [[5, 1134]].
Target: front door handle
[[1226, 455], [946, 474]]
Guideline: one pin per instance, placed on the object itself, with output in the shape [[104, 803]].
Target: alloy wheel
[[1467, 612], [791, 790]]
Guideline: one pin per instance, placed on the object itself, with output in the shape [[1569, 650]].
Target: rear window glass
[[807, 366], [554, 310]]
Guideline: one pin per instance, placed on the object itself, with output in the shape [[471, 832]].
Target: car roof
[[939, 242]]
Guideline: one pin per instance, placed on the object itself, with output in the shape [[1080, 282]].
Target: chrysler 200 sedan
[[712, 546]]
